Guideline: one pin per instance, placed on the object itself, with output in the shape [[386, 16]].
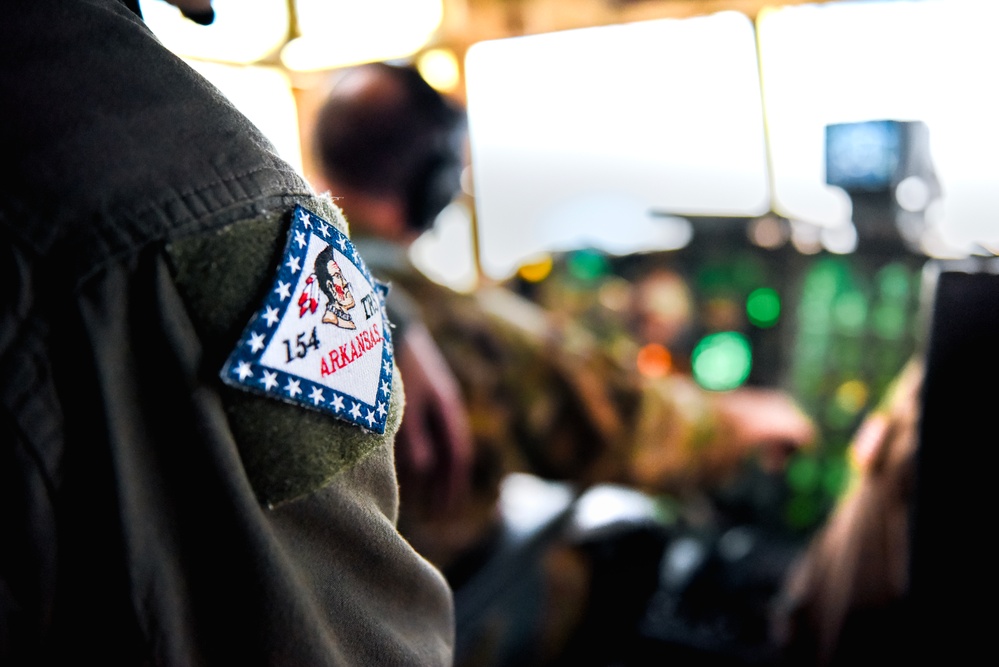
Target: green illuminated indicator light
[[835, 477], [850, 311], [763, 307], [803, 474], [889, 321], [894, 282], [802, 511], [588, 265], [722, 361]]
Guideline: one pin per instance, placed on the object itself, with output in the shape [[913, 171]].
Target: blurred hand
[[767, 421], [434, 443]]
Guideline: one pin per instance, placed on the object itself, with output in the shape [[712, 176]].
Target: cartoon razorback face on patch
[[337, 290]]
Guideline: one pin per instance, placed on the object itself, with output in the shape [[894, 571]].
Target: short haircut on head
[[384, 130]]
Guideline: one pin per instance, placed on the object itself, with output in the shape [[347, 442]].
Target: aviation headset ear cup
[[439, 152], [434, 187]]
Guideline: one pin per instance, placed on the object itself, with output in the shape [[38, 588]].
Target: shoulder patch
[[321, 338]]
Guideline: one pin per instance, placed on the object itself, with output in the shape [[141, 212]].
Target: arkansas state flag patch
[[321, 338]]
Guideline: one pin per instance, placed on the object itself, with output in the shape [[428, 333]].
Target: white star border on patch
[[243, 368]]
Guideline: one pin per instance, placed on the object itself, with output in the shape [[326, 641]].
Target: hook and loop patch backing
[[321, 338]]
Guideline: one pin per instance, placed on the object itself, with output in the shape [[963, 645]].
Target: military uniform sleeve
[[326, 487], [154, 512]]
